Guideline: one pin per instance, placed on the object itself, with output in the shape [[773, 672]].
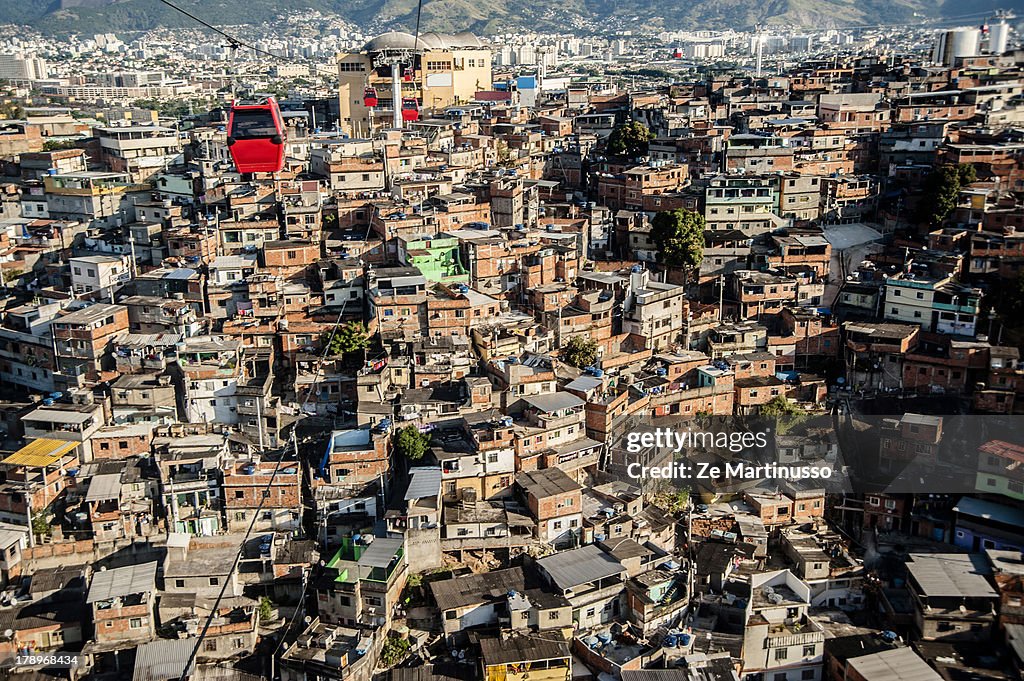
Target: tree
[[57, 145], [1009, 302], [348, 338], [941, 191], [266, 609], [411, 443], [630, 140], [679, 236], [40, 525], [580, 351], [779, 406], [394, 651], [10, 110]]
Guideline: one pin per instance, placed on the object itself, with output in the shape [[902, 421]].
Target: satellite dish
[[307, 619], [8, 633]]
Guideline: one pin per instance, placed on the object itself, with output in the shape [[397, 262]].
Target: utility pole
[[760, 49], [259, 418], [721, 297]]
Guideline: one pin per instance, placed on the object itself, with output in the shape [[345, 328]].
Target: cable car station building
[[436, 71]]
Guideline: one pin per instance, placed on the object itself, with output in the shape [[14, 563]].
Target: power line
[[416, 37], [293, 440], [235, 42]]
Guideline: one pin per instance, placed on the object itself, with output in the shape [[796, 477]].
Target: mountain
[[490, 16]]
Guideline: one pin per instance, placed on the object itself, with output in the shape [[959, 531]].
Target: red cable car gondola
[[407, 75], [410, 109], [256, 135], [369, 97]]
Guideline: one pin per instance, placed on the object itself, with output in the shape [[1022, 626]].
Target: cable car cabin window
[[253, 125]]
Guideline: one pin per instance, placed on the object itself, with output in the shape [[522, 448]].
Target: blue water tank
[[662, 371], [48, 402], [670, 641]]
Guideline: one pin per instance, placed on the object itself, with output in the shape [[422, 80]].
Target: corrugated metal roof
[[988, 510], [59, 415], [584, 383], [579, 566], [460, 592], [381, 551], [899, 663], [122, 581], [103, 487], [547, 482], [426, 482], [953, 575], [163, 659], [40, 453], [556, 401], [521, 649]]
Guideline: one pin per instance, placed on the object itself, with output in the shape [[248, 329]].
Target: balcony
[[796, 634]]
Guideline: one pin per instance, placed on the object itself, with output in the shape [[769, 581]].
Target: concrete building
[[23, 67], [140, 151], [952, 597], [748, 204], [437, 70], [939, 305], [104, 273], [780, 640]]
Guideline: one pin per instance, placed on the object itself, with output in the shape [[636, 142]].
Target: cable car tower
[[401, 60]]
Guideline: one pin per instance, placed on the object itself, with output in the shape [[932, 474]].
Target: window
[[214, 581], [553, 615], [890, 503], [809, 651], [239, 494], [781, 654], [180, 583], [135, 623], [590, 612], [210, 645], [807, 674]]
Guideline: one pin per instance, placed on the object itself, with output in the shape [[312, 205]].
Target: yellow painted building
[[438, 70]]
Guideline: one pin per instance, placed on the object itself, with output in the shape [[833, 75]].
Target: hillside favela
[[479, 341]]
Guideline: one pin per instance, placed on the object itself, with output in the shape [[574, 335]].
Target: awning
[[40, 453]]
